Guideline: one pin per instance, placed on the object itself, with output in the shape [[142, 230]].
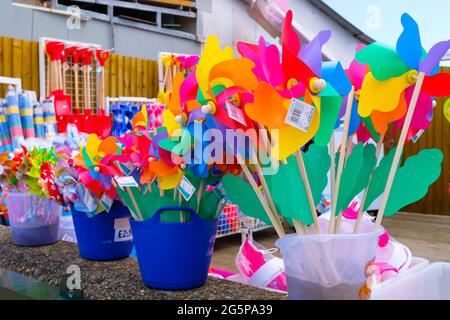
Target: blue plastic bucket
[[106, 236], [174, 256]]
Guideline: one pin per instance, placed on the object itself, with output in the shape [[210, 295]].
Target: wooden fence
[[124, 76]]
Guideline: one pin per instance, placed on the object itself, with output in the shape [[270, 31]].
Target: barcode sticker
[[186, 188], [300, 115], [236, 113], [122, 230]]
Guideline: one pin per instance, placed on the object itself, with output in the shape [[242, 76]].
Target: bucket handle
[[157, 216]]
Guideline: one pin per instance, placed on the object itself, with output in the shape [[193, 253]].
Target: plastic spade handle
[[76, 53], [54, 50], [86, 56], [102, 56]]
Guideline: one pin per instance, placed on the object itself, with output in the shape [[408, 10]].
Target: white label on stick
[[236, 114], [126, 182], [122, 230], [300, 115], [106, 202], [186, 188]]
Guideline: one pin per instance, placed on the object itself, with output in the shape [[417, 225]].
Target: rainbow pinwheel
[[394, 72], [96, 164]]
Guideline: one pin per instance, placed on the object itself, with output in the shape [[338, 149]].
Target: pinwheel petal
[[329, 110], [162, 169], [251, 51], [140, 119], [108, 146], [381, 120], [409, 46], [212, 55], [169, 121], [383, 60], [92, 144], [172, 181], [370, 98], [175, 101], [188, 89], [239, 71], [270, 59], [269, 108], [293, 67], [437, 85], [428, 66], [146, 176], [334, 74], [311, 52]]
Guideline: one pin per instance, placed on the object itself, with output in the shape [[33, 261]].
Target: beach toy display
[[295, 101], [33, 196]]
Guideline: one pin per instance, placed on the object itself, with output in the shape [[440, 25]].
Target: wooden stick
[[115, 185], [332, 182], [399, 150], [342, 154], [274, 219], [366, 190], [77, 98], [304, 176], [136, 207]]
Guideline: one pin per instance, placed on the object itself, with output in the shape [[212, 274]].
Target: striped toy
[[26, 115], [48, 108], [5, 137], [38, 119], [13, 118]]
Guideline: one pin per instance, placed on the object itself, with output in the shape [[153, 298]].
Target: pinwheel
[[392, 72], [96, 164]]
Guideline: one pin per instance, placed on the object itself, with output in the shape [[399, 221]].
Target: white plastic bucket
[[329, 266], [430, 283]]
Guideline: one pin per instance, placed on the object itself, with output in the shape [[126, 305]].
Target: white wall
[[28, 24]]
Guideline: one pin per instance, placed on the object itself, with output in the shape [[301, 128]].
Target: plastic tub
[[105, 236], [329, 266], [430, 283], [34, 221], [174, 255]]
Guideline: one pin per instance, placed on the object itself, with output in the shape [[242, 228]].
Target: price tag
[[300, 115], [186, 188], [236, 113], [106, 202], [126, 182], [122, 230]]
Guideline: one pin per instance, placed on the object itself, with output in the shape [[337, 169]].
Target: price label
[[236, 114], [186, 188], [300, 115], [126, 182], [122, 230]]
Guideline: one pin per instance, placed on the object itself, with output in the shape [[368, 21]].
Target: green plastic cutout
[[329, 111], [370, 127], [288, 190], [242, 194], [413, 179], [383, 60], [349, 177]]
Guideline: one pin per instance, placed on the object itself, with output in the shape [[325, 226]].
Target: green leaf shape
[[329, 111], [287, 187], [242, 194], [383, 60], [379, 178], [411, 181], [349, 177]]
